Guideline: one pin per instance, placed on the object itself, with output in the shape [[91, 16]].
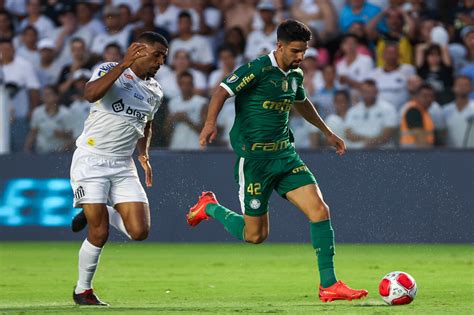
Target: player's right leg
[[89, 254], [255, 188], [91, 189]]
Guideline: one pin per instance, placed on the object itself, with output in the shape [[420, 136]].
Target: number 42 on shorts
[[254, 188]]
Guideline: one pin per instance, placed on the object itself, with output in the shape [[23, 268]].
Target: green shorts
[[257, 179]]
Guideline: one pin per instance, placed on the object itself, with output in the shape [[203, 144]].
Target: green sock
[[233, 223], [322, 239]]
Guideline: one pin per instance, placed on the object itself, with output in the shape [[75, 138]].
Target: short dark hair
[[227, 48], [293, 30], [425, 86], [184, 14], [462, 76], [52, 87], [30, 28], [6, 41], [185, 74], [151, 38], [350, 35], [344, 93], [113, 45], [370, 82], [78, 40]]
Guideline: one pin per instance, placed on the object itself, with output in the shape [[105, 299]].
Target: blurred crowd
[[382, 73]]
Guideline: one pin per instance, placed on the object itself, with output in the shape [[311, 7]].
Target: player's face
[[156, 54], [462, 87], [293, 53]]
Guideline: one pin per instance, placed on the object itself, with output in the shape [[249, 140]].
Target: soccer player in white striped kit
[[124, 98]]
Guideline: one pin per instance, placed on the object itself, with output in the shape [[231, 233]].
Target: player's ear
[[280, 45]]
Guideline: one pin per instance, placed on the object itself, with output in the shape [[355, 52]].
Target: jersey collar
[[271, 55]]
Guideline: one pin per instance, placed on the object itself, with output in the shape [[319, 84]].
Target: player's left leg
[[299, 186], [136, 218]]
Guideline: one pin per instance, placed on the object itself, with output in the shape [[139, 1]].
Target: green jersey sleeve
[[300, 93], [243, 78]]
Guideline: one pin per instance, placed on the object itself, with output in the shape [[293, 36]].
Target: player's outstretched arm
[[143, 145], [209, 131], [307, 110], [96, 89]]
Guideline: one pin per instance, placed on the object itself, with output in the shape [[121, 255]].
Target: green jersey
[[264, 96]]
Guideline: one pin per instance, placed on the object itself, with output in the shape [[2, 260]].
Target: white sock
[[88, 260], [116, 221]]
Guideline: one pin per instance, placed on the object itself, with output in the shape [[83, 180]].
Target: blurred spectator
[[7, 30], [186, 115], [353, 68], [80, 59], [372, 122], [417, 129], [323, 57], [63, 35], [80, 107], [49, 69], [401, 28], [234, 37], [206, 19], [313, 78], [146, 15], [279, 16], [26, 47], [42, 23], [23, 91], [358, 11], [115, 33], [434, 66], [266, 37], [197, 46], [463, 54], [392, 77], [239, 13], [181, 63], [317, 14], [462, 14], [414, 83], [49, 130], [226, 66], [133, 5], [325, 92], [86, 20], [126, 17], [16, 7], [305, 134], [358, 29], [112, 53], [166, 16], [337, 120], [459, 115]]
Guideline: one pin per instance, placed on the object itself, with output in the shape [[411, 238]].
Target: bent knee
[[98, 236], [320, 212], [139, 234], [256, 238]]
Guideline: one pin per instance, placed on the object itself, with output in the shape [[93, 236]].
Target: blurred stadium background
[[385, 190]]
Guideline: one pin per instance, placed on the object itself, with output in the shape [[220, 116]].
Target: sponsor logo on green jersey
[[271, 146], [245, 80], [282, 106]]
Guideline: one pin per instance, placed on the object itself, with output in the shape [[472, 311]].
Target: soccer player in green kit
[[265, 90]]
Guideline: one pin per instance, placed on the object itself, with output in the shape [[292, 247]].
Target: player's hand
[[208, 134], [145, 162], [336, 142], [134, 52]]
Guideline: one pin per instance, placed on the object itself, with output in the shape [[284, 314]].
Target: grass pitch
[[150, 278]]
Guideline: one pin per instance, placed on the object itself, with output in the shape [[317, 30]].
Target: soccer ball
[[398, 288]]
